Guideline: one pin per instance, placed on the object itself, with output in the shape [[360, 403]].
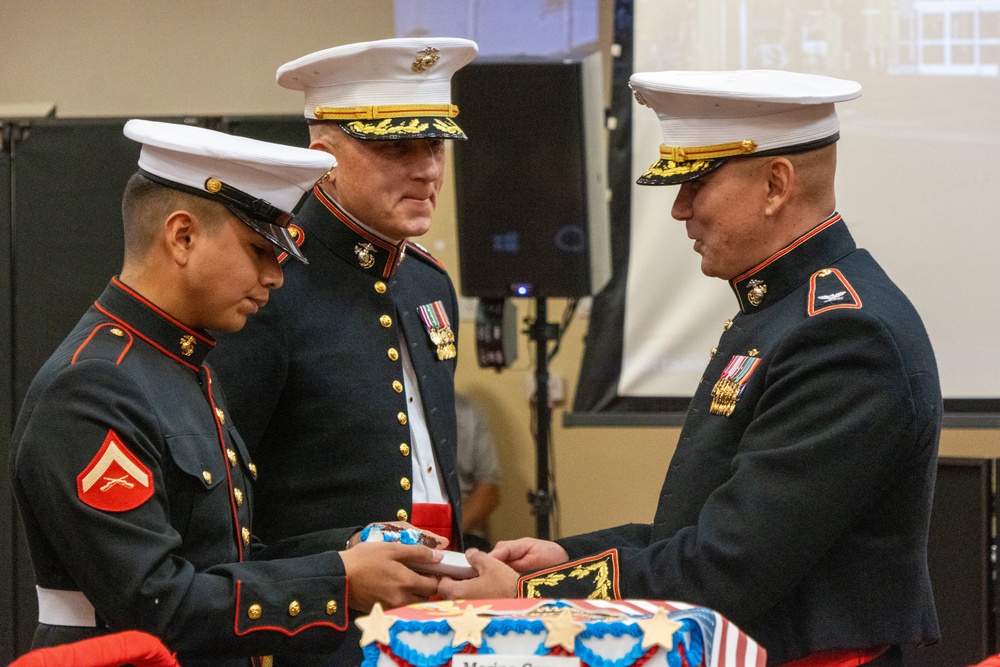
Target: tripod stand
[[541, 331]]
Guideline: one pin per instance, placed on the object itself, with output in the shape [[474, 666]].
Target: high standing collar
[[790, 267], [131, 310], [347, 238]]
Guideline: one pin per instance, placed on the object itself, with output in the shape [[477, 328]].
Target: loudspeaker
[[531, 180], [960, 564]]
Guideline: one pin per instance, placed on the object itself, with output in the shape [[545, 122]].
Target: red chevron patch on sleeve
[[114, 480]]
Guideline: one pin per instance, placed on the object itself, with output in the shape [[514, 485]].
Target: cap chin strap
[[260, 210], [379, 111], [258, 214]]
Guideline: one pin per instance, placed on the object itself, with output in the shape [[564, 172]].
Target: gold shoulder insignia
[[829, 290], [590, 578]]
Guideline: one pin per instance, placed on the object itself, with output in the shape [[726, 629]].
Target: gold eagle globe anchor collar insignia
[[757, 291], [366, 255], [439, 329]]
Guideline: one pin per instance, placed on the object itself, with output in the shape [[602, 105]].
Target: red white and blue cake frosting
[[594, 633]]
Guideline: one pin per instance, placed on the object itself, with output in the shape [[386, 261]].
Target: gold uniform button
[[246, 536], [293, 232], [255, 611], [404, 484], [402, 418], [711, 353], [294, 608], [331, 607], [401, 515], [385, 321], [397, 386], [380, 288], [393, 353], [231, 455], [253, 469], [115, 331], [221, 414], [207, 476], [404, 449], [239, 497], [726, 325]]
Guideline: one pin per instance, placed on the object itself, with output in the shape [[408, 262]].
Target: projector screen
[[918, 182]]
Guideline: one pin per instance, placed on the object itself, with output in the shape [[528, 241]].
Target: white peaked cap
[[386, 89], [708, 117], [260, 182], [191, 155]]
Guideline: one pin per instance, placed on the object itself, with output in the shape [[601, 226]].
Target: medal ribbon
[[439, 329], [739, 369], [434, 316], [731, 384]]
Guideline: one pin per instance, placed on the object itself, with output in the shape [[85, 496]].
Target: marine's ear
[[179, 232], [780, 183]]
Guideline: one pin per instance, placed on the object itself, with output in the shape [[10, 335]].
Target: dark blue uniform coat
[[315, 380], [161, 542], [315, 384], [803, 514]]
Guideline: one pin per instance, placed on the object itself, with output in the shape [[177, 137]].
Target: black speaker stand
[[542, 331]]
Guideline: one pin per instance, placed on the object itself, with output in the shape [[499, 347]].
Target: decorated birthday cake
[[554, 633]]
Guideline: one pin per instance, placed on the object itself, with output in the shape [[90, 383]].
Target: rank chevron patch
[[829, 290], [114, 480]]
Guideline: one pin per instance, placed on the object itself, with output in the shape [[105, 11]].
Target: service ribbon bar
[[439, 329], [731, 384]]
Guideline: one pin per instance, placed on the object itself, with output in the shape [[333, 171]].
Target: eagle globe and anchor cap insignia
[[427, 58], [115, 480]]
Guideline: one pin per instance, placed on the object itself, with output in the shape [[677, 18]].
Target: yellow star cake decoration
[[468, 627], [562, 630], [659, 629], [375, 626]]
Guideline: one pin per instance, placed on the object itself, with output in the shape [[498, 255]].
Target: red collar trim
[[141, 299], [149, 340], [393, 250], [784, 251]]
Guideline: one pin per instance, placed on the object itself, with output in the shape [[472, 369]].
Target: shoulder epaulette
[[829, 290], [107, 341], [298, 235], [417, 250]]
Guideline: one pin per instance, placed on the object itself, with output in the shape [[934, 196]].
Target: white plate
[[454, 565]]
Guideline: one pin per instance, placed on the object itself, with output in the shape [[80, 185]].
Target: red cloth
[[434, 518], [839, 658], [129, 647], [992, 661]]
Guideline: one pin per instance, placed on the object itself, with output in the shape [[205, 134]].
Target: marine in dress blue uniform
[[352, 411], [134, 487], [361, 341], [325, 410], [801, 514], [797, 502]]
